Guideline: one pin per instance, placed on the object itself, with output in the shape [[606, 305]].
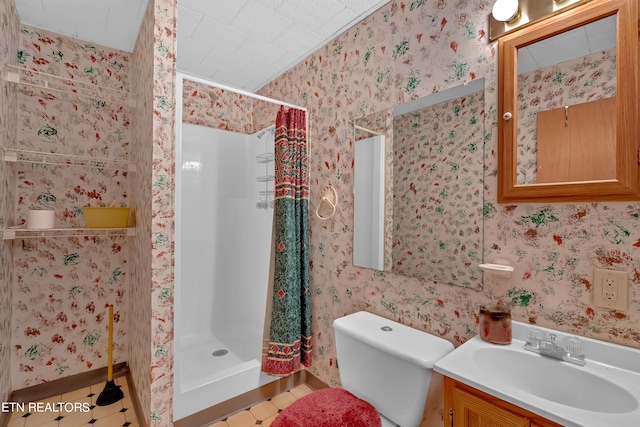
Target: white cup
[[40, 219]]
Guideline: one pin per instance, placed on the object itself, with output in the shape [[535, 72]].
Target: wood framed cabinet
[[466, 406], [567, 167]]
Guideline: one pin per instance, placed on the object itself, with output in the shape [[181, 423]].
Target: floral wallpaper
[[63, 285], [160, 227], [217, 108], [404, 51], [588, 78], [142, 155], [9, 24], [151, 352], [437, 192]]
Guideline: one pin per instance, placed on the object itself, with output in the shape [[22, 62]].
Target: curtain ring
[[327, 201]]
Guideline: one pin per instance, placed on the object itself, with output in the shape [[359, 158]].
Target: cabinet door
[[471, 411], [574, 146]]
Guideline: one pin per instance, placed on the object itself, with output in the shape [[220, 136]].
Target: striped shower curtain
[[287, 340]]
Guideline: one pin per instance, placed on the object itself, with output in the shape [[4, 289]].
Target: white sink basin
[[553, 380], [605, 392]]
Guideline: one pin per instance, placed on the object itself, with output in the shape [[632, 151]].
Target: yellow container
[[108, 217]]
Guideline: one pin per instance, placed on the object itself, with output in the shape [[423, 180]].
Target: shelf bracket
[[13, 77], [10, 155]]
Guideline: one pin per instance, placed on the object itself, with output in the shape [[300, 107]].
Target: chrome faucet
[[570, 350]]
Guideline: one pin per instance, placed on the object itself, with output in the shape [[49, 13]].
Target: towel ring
[[327, 201]]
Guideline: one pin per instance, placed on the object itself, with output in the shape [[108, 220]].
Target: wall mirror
[[568, 107], [418, 187]]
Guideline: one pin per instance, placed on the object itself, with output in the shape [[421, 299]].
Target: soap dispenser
[[495, 323]]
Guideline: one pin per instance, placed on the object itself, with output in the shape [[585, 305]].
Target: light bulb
[[505, 10]]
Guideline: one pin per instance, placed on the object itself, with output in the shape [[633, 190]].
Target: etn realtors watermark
[[35, 407]]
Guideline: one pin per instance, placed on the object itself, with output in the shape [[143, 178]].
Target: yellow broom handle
[[110, 367]]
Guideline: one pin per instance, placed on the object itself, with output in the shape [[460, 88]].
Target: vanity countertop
[[604, 392]]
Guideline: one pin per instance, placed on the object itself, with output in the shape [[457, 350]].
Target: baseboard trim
[[313, 381], [240, 403], [143, 422], [67, 384]]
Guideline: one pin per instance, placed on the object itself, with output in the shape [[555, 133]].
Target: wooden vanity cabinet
[[466, 406]]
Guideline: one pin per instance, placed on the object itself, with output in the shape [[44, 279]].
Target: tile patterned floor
[[122, 413], [84, 413], [263, 413]]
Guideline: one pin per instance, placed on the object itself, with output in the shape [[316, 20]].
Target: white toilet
[[387, 364]]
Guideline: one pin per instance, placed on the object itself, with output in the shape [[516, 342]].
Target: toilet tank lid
[[402, 341]]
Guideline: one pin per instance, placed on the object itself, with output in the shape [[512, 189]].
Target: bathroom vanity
[[543, 378], [469, 407]]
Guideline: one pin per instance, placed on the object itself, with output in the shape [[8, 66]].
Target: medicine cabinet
[[569, 107]]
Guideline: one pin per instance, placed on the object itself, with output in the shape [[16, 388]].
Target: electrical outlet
[[610, 288]]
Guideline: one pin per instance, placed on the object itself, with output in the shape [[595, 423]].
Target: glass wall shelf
[[38, 157], [265, 158], [51, 87], [32, 233]]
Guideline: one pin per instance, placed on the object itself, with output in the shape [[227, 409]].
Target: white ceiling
[[113, 23], [591, 38], [239, 43]]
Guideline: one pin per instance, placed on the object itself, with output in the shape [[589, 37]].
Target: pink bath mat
[[328, 407]]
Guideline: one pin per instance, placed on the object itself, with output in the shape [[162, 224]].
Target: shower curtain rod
[[240, 91]]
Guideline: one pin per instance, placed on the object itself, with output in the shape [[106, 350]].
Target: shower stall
[[224, 200]]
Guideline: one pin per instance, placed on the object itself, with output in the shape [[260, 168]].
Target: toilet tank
[[388, 364]]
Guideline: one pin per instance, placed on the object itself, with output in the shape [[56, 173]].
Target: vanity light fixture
[[510, 15]]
